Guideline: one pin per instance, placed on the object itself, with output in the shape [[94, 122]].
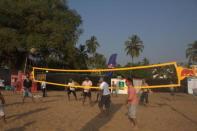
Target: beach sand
[[56, 113]]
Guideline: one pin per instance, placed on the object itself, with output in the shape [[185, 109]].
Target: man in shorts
[[1, 83], [44, 88], [86, 91], [27, 83], [2, 102], [71, 89], [98, 94], [132, 102], [105, 96], [114, 89], [145, 93]]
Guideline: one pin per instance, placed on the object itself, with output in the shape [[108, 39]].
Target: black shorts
[[71, 91], [88, 94], [105, 100]]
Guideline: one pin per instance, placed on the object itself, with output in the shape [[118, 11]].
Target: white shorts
[[132, 111], [1, 110]]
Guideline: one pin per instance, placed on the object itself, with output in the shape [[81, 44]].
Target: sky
[[166, 27]]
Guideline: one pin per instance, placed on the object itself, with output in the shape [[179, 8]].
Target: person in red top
[[132, 102]]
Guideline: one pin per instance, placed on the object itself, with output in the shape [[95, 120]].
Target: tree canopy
[[191, 52], [134, 46], [95, 59], [49, 26]]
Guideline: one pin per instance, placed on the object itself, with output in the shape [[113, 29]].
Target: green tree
[[100, 61], [145, 61], [139, 73], [92, 45], [134, 46], [82, 57], [41, 24], [191, 52]]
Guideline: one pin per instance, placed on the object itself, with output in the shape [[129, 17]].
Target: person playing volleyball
[[2, 114], [114, 89], [43, 87], [71, 89], [145, 93], [105, 96], [86, 91], [132, 101], [27, 83]]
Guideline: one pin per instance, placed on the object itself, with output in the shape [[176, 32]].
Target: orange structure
[[17, 82], [186, 72]]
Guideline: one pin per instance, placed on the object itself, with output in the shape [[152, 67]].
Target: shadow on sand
[[177, 111], [58, 95], [182, 114], [98, 121], [21, 128], [48, 101], [160, 105], [13, 104], [19, 116]]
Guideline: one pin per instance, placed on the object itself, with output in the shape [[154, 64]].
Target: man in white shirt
[[43, 86], [87, 83], [105, 96], [1, 83], [71, 89]]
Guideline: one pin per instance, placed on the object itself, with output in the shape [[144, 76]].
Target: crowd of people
[[104, 94], [103, 97]]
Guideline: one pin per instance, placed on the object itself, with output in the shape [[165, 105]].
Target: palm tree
[[92, 44], [82, 56], [83, 52], [134, 46], [191, 52]]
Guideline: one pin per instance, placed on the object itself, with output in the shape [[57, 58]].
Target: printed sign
[[192, 84]]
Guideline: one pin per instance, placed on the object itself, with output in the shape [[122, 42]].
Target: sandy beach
[[56, 113]]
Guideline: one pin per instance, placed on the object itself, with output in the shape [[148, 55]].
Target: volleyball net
[[156, 75]]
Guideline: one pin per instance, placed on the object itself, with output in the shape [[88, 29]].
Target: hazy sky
[[165, 26]]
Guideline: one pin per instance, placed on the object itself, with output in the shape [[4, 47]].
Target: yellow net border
[[111, 69]]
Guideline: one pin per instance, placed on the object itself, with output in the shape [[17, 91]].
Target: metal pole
[[25, 65]]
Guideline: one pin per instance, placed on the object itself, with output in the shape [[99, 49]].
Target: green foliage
[[92, 45], [82, 57], [95, 59], [100, 61], [145, 61], [138, 73], [134, 46], [191, 52], [40, 24]]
